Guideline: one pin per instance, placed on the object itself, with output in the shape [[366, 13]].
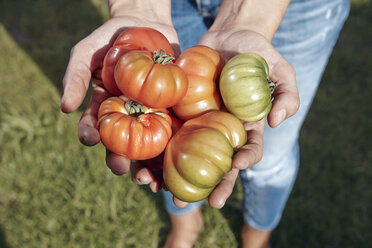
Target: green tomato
[[200, 153], [195, 162], [245, 87]]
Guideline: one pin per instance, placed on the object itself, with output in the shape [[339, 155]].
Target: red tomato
[[133, 130], [202, 66], [155, 165], [134, 38], [151, 78], [109, 63]]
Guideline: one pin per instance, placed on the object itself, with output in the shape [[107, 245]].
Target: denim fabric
[[305, 38], [208, 8], [190, 26]]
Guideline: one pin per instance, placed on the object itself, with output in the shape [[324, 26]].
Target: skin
[[249, 29]]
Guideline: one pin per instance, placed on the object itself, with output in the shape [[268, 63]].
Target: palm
[[282, 73], [84, 66], [229, 44], [87, 56]]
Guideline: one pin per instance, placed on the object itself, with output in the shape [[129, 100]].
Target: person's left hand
[[286, 101]]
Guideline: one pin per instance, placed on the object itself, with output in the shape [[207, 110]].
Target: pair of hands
[[86, 60]]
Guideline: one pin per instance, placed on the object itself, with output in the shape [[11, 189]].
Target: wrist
[[159, 10], [263, 17]]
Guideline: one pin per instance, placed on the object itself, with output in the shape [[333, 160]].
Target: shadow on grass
[[3, 243], [331, 198], [47, 30], [162, 213], [233, 214]]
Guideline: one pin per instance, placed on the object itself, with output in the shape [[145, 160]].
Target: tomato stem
[[161, 57], [272, 85], [135, 109]]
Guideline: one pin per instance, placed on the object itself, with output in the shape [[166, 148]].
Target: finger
[[179, 203], [87, 132], [119, 165], [286, 99], [85, 57], [140, 175], [155, 186], [77, 77], [252, 151], [223, 190]]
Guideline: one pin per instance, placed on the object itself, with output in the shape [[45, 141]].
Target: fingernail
[[153, 187], [280, 116], [221, 203], [143, 180]]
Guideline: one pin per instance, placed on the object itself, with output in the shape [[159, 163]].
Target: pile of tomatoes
[[170, 110]]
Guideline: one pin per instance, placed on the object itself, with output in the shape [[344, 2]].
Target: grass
[[54, 192]]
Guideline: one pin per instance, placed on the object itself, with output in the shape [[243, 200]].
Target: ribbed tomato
[[246, 88], [202, 66], [155, 165], [151, 78], [109, 63], [134, 38], [200, 153], [133, 130]]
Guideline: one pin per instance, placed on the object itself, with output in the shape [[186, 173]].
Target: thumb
[[286, 99], [85, 57]]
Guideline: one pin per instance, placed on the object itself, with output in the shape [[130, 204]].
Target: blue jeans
[[305, 38]]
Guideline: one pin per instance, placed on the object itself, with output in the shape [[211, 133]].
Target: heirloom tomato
[[133, 130], [246, 88], [155, 165], [134, 38], [202, 66], [151, 78], [200, 153]]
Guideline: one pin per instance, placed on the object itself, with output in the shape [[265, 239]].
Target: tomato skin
[[134, 38], [245, 87], [109, 63], [144, 39], [140, 78], [156, 164], [202, 66], [200, 153], [137, 138]]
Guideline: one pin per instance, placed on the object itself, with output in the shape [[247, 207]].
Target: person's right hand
[[86, 60]]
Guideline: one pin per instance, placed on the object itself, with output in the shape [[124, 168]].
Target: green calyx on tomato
[[161, 57], [135, 109], [272, 85], [132, 130], [133, 38], [151, 79], [245, 87]]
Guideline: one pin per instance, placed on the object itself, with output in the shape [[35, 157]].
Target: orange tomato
[[150, 78], [133, 130], [134, 38], [202, 66]]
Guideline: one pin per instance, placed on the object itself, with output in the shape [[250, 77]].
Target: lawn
[[55, 192]]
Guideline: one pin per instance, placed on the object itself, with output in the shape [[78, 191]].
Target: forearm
[[160, 9], [261, 16]]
